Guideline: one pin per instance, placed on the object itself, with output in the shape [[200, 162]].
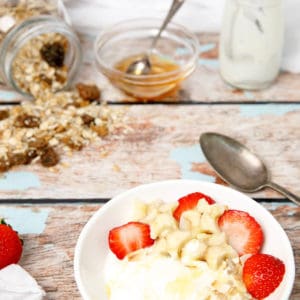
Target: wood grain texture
[[204, 85], [161, 143], [49, 256]]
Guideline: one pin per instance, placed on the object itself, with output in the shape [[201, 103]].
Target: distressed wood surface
[[204, 85], [48, 254], [160, 143]]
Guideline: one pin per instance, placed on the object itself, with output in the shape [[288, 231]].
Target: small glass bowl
[[131, 38]]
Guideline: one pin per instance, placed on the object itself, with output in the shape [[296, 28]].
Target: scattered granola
[[51, 125]]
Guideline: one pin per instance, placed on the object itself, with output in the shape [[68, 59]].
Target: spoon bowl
[[143, 65], [238, 166]]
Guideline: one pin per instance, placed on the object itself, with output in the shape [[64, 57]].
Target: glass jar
[[39, 50], [251, 42]]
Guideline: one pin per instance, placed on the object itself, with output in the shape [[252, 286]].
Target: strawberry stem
[[2, 221]]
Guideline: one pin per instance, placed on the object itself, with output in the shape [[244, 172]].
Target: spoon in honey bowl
[[143, 66], [238, 166]]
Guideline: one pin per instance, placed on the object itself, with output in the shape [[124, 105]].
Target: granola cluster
[[39, 65], [53, 124]]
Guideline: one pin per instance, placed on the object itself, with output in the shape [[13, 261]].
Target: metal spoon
[[237, 165], [142, 66]]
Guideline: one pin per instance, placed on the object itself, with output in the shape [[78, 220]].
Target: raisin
[[71, 143], [17, 159], [53, 54], [38, 143], [45, 79], [27, 121], [101, 130], [49, 157], [4, 114], [87, 119], [30, 155], [4, 165], [83, 103], [61, 79], [88, 92]]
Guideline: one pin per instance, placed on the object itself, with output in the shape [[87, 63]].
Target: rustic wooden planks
[[48, 255], [160, 143], [204, 85]]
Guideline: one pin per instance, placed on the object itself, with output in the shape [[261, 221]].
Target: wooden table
[[49, 209]]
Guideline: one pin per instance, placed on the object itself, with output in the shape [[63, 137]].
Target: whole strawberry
[[262, 274], [10, 245]]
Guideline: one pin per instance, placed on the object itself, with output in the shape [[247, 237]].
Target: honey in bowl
[[162, 81]]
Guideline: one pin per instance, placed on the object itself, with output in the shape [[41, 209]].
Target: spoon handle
[[173, 9], [284, 192]]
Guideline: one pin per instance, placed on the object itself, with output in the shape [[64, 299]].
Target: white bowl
[[92, 245]]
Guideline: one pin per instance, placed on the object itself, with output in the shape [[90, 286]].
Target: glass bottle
[[251, 42], [39, 50]]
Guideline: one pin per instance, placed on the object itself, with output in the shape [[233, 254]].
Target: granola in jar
[[38, 48], [14, 12]]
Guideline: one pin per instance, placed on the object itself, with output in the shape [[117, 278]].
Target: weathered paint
[[186, 156], [249, 95], [19, 181], [267, 109], [207, 47], [7, 96], [211, 63], [25, 220], [275, 205], [202, 48]]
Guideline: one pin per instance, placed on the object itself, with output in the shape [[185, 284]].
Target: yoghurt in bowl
[[101, 275]]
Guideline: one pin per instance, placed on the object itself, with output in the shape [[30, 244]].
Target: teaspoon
[[142, 66], [238, 166]]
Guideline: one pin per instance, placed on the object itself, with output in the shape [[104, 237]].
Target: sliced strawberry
[[128, 238], [243, 232], [10, 245], [262, 274], [188, 202]]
